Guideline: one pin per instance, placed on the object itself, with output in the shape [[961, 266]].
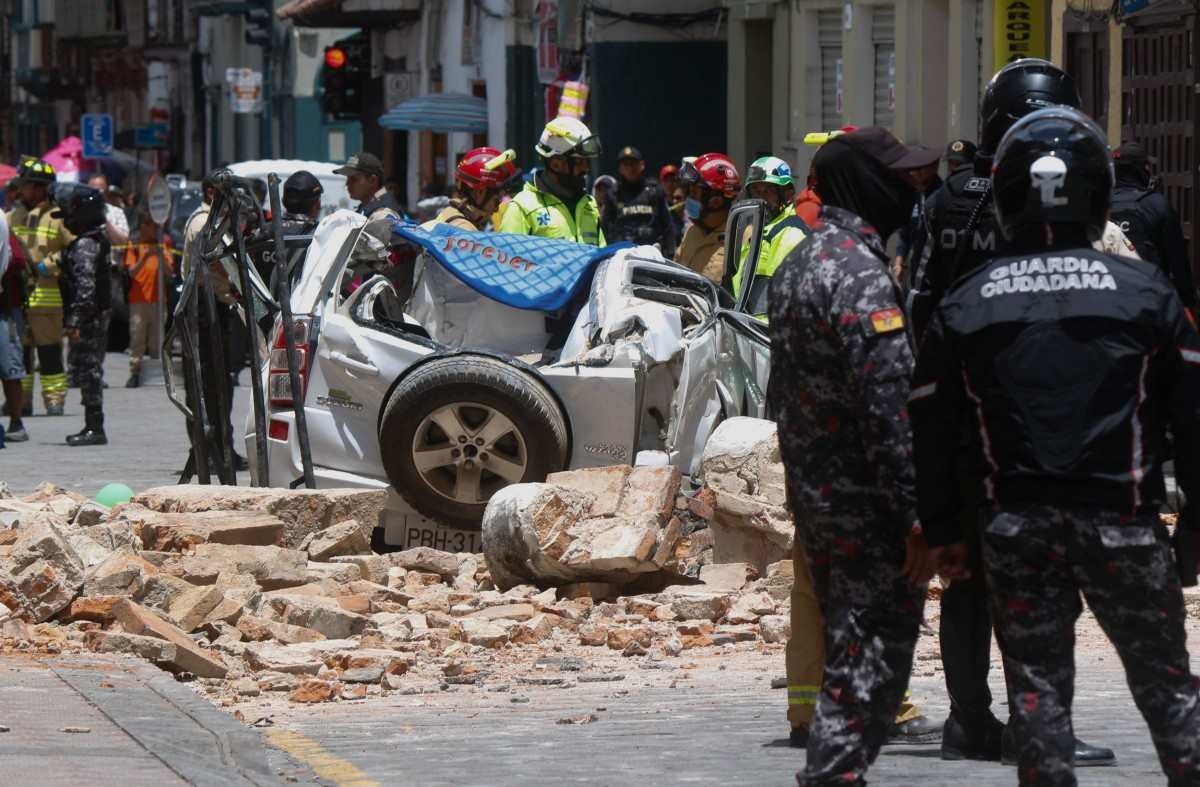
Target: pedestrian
[[481, 180], [141, 264], [12, 330], [554, 202], [44, 238], [1149, 221], [769, 180], [85, 276], [962, 211], [1071, 366], [116, 223], [840, 366], [921, 170], [639, 207], [713, 182], [364, 182]]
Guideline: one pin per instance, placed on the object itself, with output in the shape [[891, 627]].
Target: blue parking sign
[[97, 131]]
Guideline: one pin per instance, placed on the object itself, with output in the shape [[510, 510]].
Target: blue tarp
[[524, 271], [441, 112]]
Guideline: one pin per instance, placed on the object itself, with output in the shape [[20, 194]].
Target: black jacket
[[947, 214], [1069, 367], [386, 200], [1153, 227], [85, 279], [638, 212]]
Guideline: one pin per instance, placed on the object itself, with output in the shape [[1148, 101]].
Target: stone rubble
[[260, 591]]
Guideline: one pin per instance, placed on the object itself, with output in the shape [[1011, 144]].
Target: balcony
[[350, 13]]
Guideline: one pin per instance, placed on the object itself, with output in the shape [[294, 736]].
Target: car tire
[[457, 430]]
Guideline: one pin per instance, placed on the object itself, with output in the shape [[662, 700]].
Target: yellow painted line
[[324, 763]]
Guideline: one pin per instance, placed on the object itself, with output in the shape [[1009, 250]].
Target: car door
[[744, 340], [358, 358]]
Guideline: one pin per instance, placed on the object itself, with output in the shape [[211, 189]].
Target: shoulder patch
[[883, 321], [977, 185]]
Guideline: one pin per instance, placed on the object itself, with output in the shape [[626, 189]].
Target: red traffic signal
[[335, 57]]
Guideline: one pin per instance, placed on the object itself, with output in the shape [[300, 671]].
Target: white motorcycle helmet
[[567, 136]]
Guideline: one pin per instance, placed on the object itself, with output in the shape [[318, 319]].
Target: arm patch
[[883, 321]]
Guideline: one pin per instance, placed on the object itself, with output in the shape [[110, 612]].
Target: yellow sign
[[1018, 30]]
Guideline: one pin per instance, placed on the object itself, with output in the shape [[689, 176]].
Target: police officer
[[85, 275], [1148, 220], [712, 184], [963, 235], [44, 238], [554, 202], [1071, 365], [840, 371], [639, 207], [769, 179], [481, 180], [364, 182]]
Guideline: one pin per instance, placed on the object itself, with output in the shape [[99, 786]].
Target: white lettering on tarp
[[1053, 274]]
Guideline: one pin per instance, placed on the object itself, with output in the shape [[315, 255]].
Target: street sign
[[245, 90], [158, 200], [151, 136], [97, 135]]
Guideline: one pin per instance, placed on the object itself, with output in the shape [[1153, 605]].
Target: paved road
[[147, 442]]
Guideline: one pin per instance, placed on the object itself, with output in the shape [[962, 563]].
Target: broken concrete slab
[[341, 573], [303, 511], [484, 633], [435, 561], [604, 485], [727, 576], [122, 573], [90, 513], [41, 575], [257, 629], [191, 608], [271, 567], [319, 613], [651, 490], [505, 611], [344, 538], [168, 532], [281, 658], [693, 604], [133, 618], [775, 628], [373, 568], [149, 648]]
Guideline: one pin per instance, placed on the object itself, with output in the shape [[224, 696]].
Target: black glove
[[1186, 543]]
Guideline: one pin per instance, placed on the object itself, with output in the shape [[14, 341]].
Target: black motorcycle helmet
[[1053, 167], [1021, 87], [82, 208]]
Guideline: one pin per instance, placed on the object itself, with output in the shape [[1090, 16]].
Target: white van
[[334, 196]]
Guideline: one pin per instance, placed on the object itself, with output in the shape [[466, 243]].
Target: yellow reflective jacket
[[780, 235], [537, 212]]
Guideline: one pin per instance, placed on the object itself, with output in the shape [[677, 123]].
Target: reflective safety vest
[[537, 212], [780, 236], [45, 238]]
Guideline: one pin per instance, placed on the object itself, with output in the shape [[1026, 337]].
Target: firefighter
[[1148, 220], [555, 202], [85, 272], [482, 179], [44, 238], [770, 180], [1070, 366], [712, 182]]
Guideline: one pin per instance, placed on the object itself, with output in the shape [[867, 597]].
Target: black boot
[[974, 739], [93, 430], [1086, 755]]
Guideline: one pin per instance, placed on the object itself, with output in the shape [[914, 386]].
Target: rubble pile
[[253, 591]]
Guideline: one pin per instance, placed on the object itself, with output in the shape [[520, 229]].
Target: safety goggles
[[586, 148], [688, 173]]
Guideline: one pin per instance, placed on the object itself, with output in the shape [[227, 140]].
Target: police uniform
[[536, 211], [1069, 365], [638, 213], [86, 281], [44, 238], [1153, 228], [840, 368]]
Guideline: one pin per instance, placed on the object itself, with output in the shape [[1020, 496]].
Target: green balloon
[[113, 494]]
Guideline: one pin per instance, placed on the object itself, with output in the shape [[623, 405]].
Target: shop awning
[[442, 112]]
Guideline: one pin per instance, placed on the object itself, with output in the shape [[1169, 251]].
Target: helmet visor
[[586, 148], [688, 174]]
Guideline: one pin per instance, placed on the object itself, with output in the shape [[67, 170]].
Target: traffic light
[[343, 78], [259, 27]]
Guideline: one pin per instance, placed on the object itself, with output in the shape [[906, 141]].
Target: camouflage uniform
[[87, 308], [1070, 367], [840, 371]]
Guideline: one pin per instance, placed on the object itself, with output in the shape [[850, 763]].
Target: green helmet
[[770, 169]]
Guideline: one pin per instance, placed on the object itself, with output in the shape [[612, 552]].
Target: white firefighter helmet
[[567, 136]]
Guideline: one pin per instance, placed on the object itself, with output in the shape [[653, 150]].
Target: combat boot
[[93, 430]]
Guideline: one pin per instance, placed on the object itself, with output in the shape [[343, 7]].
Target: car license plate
[[409, 531]]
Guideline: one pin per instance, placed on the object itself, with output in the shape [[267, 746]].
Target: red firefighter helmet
[[714, 171], [487, 168]]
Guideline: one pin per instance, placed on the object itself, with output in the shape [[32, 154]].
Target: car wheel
[[457, 430]]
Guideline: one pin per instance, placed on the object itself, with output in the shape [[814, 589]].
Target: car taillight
[[278, 430], [279, 382]]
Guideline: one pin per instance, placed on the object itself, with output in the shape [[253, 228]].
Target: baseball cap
[[366, 163], [881, 145], [1132, 154], [630, 152], [301, 189], [961, 150]]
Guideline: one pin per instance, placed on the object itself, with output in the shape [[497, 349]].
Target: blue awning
[[439, 112]]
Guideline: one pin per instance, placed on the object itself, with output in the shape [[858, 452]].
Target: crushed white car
[[449, 395]]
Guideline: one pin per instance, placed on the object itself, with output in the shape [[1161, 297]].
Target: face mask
[[693, 208]]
